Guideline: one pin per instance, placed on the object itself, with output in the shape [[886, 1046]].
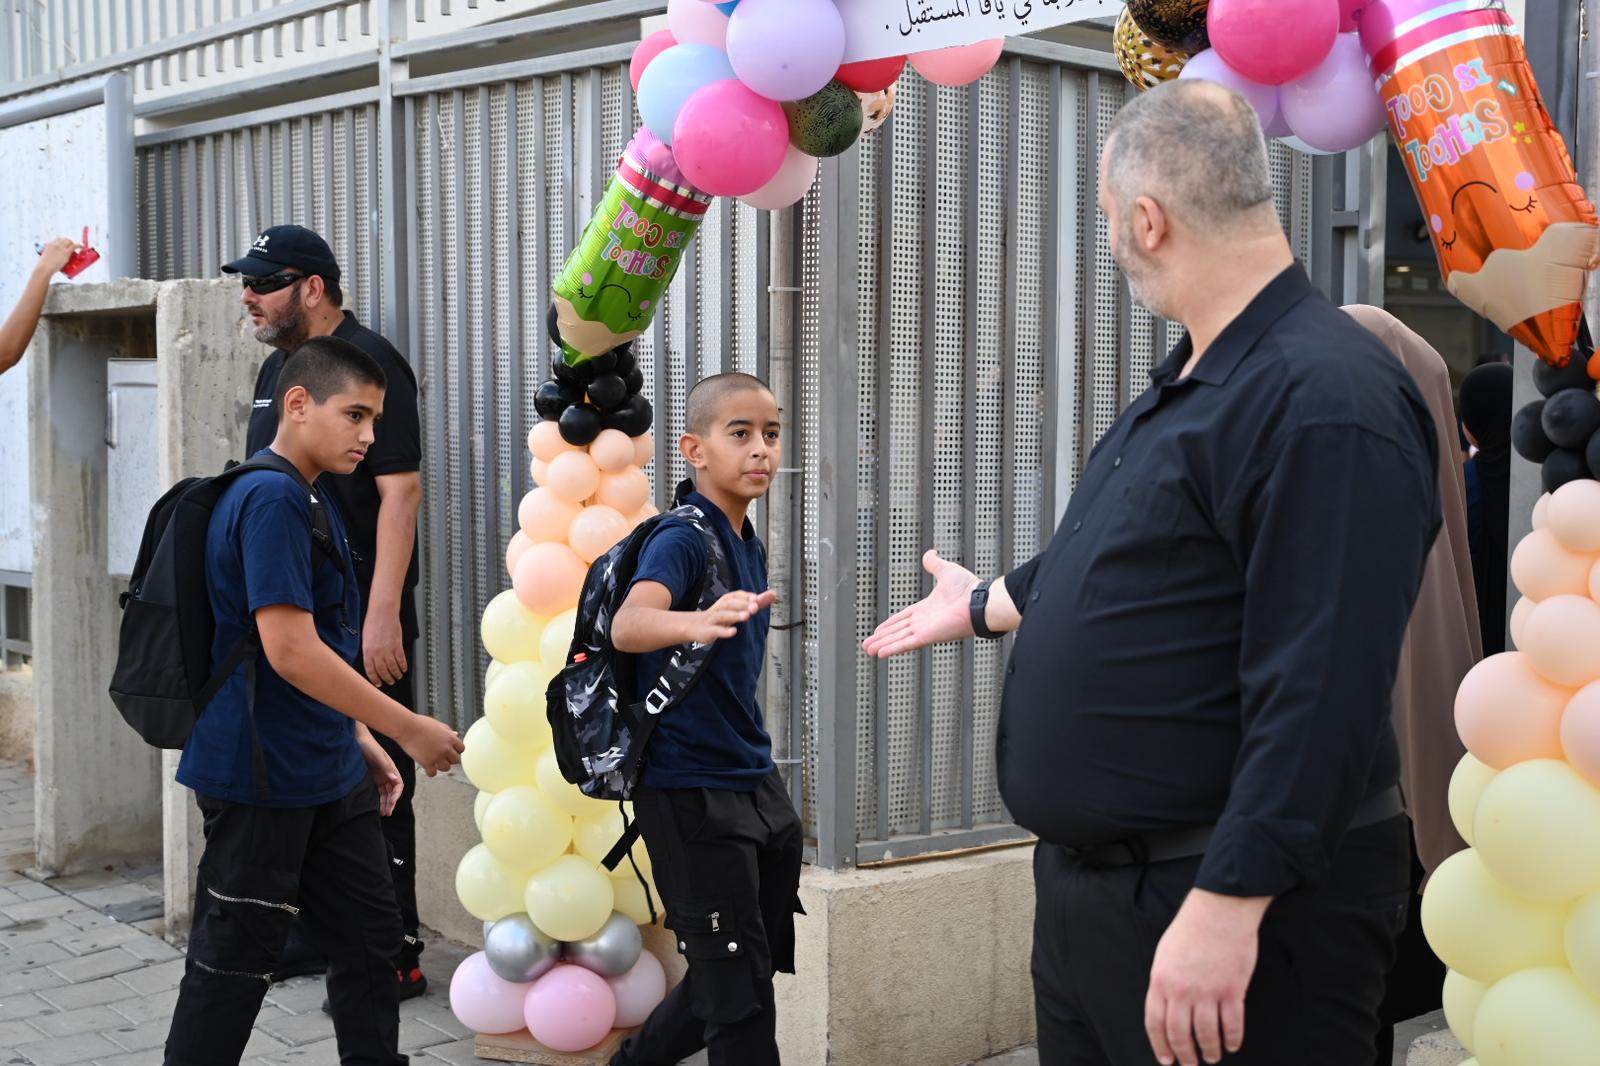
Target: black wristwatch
[[979, 606]]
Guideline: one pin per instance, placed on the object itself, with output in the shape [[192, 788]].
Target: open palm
[[941, 616]]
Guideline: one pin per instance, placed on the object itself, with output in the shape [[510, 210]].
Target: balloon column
[[1516, 917], [562, 955]]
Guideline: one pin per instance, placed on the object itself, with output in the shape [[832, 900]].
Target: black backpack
[[601, 729], [163, 679]]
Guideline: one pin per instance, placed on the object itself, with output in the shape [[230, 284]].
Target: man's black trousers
[[1319, 978], [261, 868]]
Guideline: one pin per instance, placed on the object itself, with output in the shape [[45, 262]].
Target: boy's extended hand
[[434, 745], [384, 774], [722, 619]]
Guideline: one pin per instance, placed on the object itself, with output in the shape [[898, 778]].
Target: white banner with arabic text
[[878, 28]]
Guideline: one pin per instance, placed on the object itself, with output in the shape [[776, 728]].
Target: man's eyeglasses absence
[[269, 283]]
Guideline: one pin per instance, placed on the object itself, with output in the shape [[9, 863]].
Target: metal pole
[[782, 304]]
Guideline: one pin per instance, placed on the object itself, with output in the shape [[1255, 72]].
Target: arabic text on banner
[[879, 28]]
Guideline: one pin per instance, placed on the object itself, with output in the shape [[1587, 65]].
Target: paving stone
[[436, 1015], [14, 1033], [152, 949], [83, 882], [459, 1053], [87, 918], [26, 889], [28, 956], [87, 1020], [24, 1005], [109, 895], [89, 994], [416, 1035], [153, 1057], [262, 1044], [299, 995], [147, 1008], [50, 907], [156, 927], [152, 1034], [298, 1030], [84, 1047], [157, 978], [33, 980], [36, 931], [100, 964], [88, 941], [322, 1053]]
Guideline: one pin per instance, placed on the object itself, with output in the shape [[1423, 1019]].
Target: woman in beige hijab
[[1441, 645]]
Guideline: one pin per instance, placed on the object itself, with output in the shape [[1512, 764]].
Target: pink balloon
[[627, 490], [544, 516], [648, 49], [573, 476], [611, 450], [1506, 713], [483, 1002], [1210, 66], [789, 185], [960, 64], [1562, 639], [728, 141], [639, 991], [595, 531], [693, 22], [569, 1008], [518, 544], [1542, 567], [546, 442], [1350, 15], [1580, 733], [549, 578], [1335, 107], [1273, 41]]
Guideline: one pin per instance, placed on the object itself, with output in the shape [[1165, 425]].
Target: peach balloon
[[540, 471], [549, 578], [627, 490], [518, 544], [1519, 618], [1541, 512], [1580, 732], [544, 516], [573, 476], [1573, 515], [595, 531], [1562, 639], [1543, 567], [649, 510], [546, 442], [611, 450], [1594, 583], [644, 449], [1506, 713]]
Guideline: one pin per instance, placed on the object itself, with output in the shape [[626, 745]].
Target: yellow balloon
[[487, 889], [1583, 942], [1461, 998], [524, 831], [480, 805], [1538, 1017], [594, 835], [630, 899], [563, 793], [495, 666], [493, 763], [1467, 783], [570, 899], [1483, 930], [510, 631], [515, 705], [1538, 831], [556, 640]]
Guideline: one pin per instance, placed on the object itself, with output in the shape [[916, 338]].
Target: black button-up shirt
[[1213, 633]]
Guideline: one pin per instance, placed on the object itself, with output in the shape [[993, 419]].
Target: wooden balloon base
[[521, 1047]]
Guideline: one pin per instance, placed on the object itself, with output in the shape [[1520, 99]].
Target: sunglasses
[[269, 283]]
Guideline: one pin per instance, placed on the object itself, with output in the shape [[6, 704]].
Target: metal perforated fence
[[962, 337]]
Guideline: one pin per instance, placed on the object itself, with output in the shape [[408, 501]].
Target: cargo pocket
[[781, 936], [245, 923], [723, 983]]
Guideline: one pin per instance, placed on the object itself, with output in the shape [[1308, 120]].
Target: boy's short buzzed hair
[[327, 366], [707, 396]]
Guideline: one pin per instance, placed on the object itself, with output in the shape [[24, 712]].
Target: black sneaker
[[413, 983]]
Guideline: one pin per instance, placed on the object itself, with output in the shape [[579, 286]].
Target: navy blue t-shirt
[[715, 738], [259, 554]]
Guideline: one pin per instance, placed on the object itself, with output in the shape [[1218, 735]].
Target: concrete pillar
[[206, 376], [97, 791]]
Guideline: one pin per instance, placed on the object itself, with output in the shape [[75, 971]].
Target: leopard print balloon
[[1179, 25], [1144, 63]]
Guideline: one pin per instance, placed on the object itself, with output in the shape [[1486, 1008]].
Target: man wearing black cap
[[292, 293]]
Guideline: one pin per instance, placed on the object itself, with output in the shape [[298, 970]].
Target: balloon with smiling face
[[1512, 227]]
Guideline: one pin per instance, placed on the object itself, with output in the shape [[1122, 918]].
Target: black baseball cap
[[287, 248]]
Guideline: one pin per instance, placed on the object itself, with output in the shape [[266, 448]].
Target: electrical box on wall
[[133, 475]]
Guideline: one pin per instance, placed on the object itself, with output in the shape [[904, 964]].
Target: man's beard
[[1140, 273], [288, 331]]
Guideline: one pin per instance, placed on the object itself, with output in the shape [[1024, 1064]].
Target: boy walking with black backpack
[[286, 772], [722, 833]]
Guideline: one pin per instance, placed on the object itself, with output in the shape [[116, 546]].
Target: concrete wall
[[16, 714]]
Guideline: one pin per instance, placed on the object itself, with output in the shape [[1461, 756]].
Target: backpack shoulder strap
[[321, 526]]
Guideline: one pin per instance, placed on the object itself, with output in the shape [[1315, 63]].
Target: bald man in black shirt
[[1196, 710]]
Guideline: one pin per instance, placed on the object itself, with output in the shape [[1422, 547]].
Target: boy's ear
[[693, 450], [297, 402]]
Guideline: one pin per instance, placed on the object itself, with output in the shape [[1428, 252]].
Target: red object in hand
[[82, 259]]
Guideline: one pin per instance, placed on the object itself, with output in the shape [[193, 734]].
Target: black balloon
[[562, 370], [1550, 379], [1179, 24], [580, 424], [605, 363], [553, 398], [552, 327], [608, 391], [1527, 433], [1592, 455], [1570, 418], [634, 379], [626, 360], [1564, 465], [633, 417]]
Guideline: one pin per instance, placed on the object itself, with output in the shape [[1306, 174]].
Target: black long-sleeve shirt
[[1213, 633]]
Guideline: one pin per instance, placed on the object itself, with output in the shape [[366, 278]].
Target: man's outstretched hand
[[941, 616]]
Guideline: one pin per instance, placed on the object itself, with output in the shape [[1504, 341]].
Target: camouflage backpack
[[601, 728]]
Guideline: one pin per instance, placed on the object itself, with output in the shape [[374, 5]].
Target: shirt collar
[[719, 519], [348, 327], [1236, 341]]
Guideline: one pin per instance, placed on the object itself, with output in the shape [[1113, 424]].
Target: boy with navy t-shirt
[[285, 770], [723, 836]]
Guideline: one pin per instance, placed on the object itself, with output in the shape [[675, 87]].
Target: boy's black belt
[[1165, 845]]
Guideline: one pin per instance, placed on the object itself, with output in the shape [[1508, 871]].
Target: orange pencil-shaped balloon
[[1512, 226]]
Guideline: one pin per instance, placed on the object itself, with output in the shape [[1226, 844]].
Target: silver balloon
[[518, 952], [612, 951]]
